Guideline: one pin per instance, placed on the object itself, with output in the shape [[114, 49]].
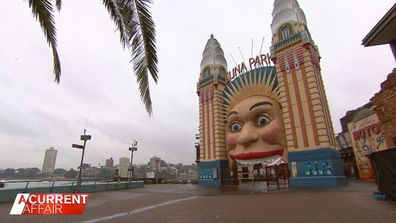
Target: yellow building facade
[[307, 126]]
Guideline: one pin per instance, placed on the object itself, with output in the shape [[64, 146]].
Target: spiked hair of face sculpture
[[258, 82]]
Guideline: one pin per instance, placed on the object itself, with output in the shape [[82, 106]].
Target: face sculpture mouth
[[265, 158]]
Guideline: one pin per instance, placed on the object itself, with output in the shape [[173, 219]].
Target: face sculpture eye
[[235, 127], [263, 120]]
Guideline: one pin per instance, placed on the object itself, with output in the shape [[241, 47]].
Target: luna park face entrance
[[274, 177]]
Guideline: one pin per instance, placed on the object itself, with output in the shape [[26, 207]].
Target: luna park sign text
[[254, 62]]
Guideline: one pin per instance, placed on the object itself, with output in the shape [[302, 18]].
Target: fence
[[58, 186]]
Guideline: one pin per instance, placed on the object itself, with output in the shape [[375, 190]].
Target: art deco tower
[[309, 130], [297, 59], [213, 157]]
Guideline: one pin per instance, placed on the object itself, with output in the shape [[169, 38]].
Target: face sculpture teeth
[[265, 161]]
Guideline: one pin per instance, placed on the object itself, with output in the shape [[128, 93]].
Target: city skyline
[[98, 89], [103, 164]]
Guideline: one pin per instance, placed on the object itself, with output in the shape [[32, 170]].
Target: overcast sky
[[98, 84]]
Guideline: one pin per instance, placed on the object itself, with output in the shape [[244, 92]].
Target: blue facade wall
[[320, 167], [210, 172]]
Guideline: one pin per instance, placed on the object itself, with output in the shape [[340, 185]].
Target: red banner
[[49, 204]]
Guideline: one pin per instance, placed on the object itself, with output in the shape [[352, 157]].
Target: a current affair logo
[[44, 204]]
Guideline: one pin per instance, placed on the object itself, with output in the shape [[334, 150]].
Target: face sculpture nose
[[248, 135]]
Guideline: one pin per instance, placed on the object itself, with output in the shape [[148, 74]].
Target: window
[[285, 32], [206, 72], [222, 72]]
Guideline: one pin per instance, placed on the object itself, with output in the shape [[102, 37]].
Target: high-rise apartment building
[[49, 160]]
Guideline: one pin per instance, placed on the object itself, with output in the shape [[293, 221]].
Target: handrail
[[8, 194], [53, 183], [52, 186], [27, 184]]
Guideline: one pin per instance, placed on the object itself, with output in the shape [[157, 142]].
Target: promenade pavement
[[191, 203]]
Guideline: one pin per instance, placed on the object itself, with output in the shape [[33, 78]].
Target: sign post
[[84, 138], [133, 148]]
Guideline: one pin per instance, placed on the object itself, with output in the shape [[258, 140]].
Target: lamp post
[[133, 148], [197, 148], [157, 162], [84, 138]]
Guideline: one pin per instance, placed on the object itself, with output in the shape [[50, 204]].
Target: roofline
[[379, 26]]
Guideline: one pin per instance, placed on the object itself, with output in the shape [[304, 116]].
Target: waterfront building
[[155, 163], [123, 167], [90, 171], [49, 160], [109, 162]]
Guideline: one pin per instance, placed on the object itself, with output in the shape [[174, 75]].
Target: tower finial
[[213, 54], [286, 11]]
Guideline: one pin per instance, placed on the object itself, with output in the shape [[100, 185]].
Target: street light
[[197, 148], [157, 162], [197, 152], [84, 138], [133, 148]]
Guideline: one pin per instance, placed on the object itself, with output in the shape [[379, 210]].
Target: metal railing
[[26, 185], [13, 187]]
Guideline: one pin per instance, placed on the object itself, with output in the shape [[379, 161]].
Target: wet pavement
[[191, 203]]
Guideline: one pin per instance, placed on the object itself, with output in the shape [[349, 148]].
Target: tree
[[21, 173], [32, 172], [86, 165], [179, 165], [9, 172], [163, 164], [166, 174], [71, 174], [107, 173], [137, 33], [60, 171]]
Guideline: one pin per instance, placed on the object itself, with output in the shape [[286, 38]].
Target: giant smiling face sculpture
[[255, 131]]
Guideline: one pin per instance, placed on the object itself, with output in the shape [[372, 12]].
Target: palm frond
[[137, 32], [43, 12], [144, 88], [58, 5], [145, 36], [144, 53], [120, 13]]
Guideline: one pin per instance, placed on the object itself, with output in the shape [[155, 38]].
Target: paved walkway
[[190, 203]]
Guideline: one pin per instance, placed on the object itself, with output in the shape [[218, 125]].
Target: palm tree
[[137, 33]]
